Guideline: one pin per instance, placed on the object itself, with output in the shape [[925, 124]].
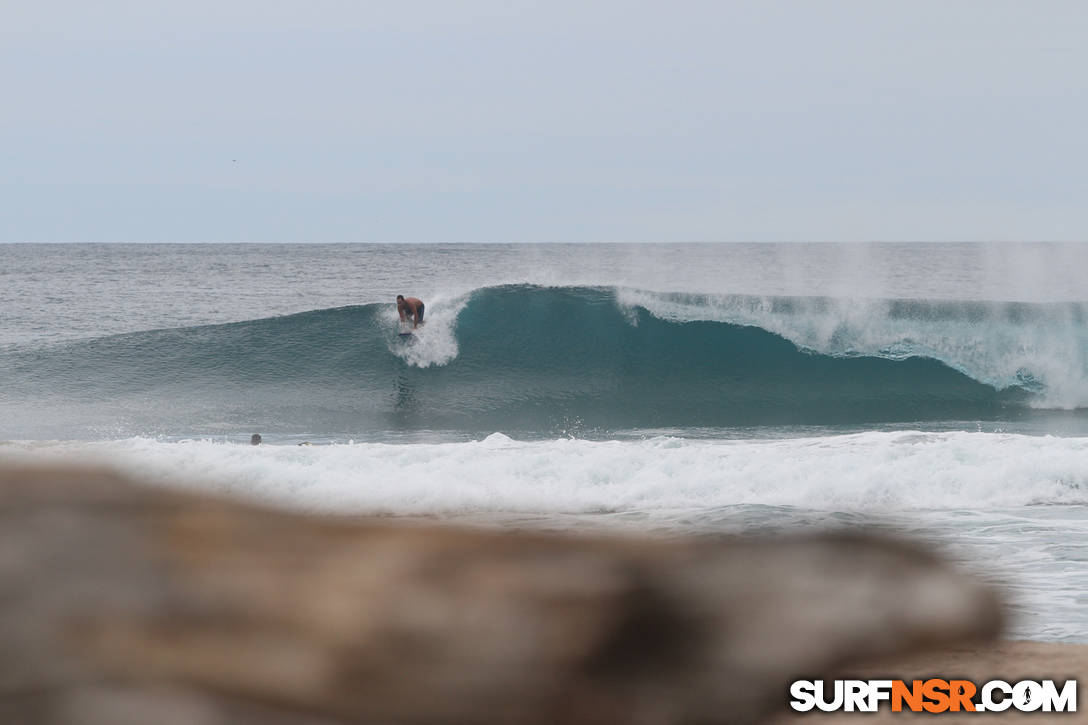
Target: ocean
[[937, 390]]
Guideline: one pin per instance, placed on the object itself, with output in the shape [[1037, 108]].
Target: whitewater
[[936, 390]]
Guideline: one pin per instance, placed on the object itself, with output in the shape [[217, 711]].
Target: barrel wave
[[512, 358]]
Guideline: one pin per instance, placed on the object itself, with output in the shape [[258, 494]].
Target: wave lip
[[1038, 347], [522, 357]]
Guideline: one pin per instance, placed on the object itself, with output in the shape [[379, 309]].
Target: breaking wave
[[523, 357]]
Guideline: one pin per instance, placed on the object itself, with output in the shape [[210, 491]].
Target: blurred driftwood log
[[130, 604]]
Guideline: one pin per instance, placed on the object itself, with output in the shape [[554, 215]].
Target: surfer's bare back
[[410, 307]]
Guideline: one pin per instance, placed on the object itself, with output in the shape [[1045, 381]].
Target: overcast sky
[[329, 120]]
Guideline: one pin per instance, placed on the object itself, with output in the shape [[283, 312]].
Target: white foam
[[989, 500], [873, 471]]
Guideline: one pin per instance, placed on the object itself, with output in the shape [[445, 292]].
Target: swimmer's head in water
[[255, 440]]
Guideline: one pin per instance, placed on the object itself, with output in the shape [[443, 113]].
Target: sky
[[437, 120]]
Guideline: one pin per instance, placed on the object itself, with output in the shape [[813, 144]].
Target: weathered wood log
[[129, 604]]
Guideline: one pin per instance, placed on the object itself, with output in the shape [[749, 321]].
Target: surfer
[[410, 307]]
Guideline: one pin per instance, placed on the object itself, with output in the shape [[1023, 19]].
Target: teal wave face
[[525, 358]]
